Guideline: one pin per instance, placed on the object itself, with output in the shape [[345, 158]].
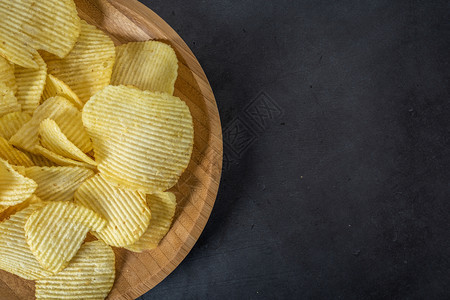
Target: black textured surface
[[336, 124]]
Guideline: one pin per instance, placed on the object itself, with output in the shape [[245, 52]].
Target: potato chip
[[90, 275], [40, 161], [61, 160], [55, 87], [8, 101], [88, 67], [30, 84], [8, 211], [65, 114], [12, 155], [15, 254], [147, 65], [57, 183], [19, 169], [12, 122], [56, 231], [7, 74], [14, 187], [52, 138], [162, 205], [142, 140], [28, 25], [126, 211]]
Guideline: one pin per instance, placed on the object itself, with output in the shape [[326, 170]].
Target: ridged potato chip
[[52, 138], [30, 84], [65, 114], [150, 65], [90, 275], [27, 26], [56, 87], [12, 155], [61, 160], [14, 187], [126, 211], [19, 169], [7, 74], [12, 122], [8, 101], [57, 183], [40, 161], [7, 211], [56, 231], [142, 140], [162, 205], [15, 254], [88, 67]]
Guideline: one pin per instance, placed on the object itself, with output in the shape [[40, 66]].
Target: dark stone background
[[337, 153]]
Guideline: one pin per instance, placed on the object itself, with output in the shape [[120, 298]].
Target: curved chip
[[162, 205], [30, 84], [65, 114], [55, 87], [14, 187], [15, 254], [12, 155], [90, 275], [150, 65], [57, 183], [126, 211], [61, 160], [142, 140], [7, 74], [8, 101], [27, 26], [40, 161], [12, 122], [56, 231], [7, 211], [52, 138], [88, 67]]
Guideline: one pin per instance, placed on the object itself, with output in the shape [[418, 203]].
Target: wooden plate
[[129, 20]]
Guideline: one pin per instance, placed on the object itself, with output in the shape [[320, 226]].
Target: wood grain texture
[[129, 20]]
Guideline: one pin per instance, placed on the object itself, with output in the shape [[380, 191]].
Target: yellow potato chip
[[30, 84], [7, 74], [52, 138], [29, 25], [15, 254], [12, 155], [40, 161], [90, 275], [14, 187], [55, 87], [8, 211], [57, 183], [19, 169], [142, 140], [56, 231], [65, 114], [147, 65], [8, 101], [126, 211], [162, 205], [12, 122], [88, 67], [61, 160]]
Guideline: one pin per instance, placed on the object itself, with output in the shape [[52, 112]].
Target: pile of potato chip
[[91, 139]]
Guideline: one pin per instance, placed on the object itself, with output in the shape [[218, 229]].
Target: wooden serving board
[[130, 20]]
